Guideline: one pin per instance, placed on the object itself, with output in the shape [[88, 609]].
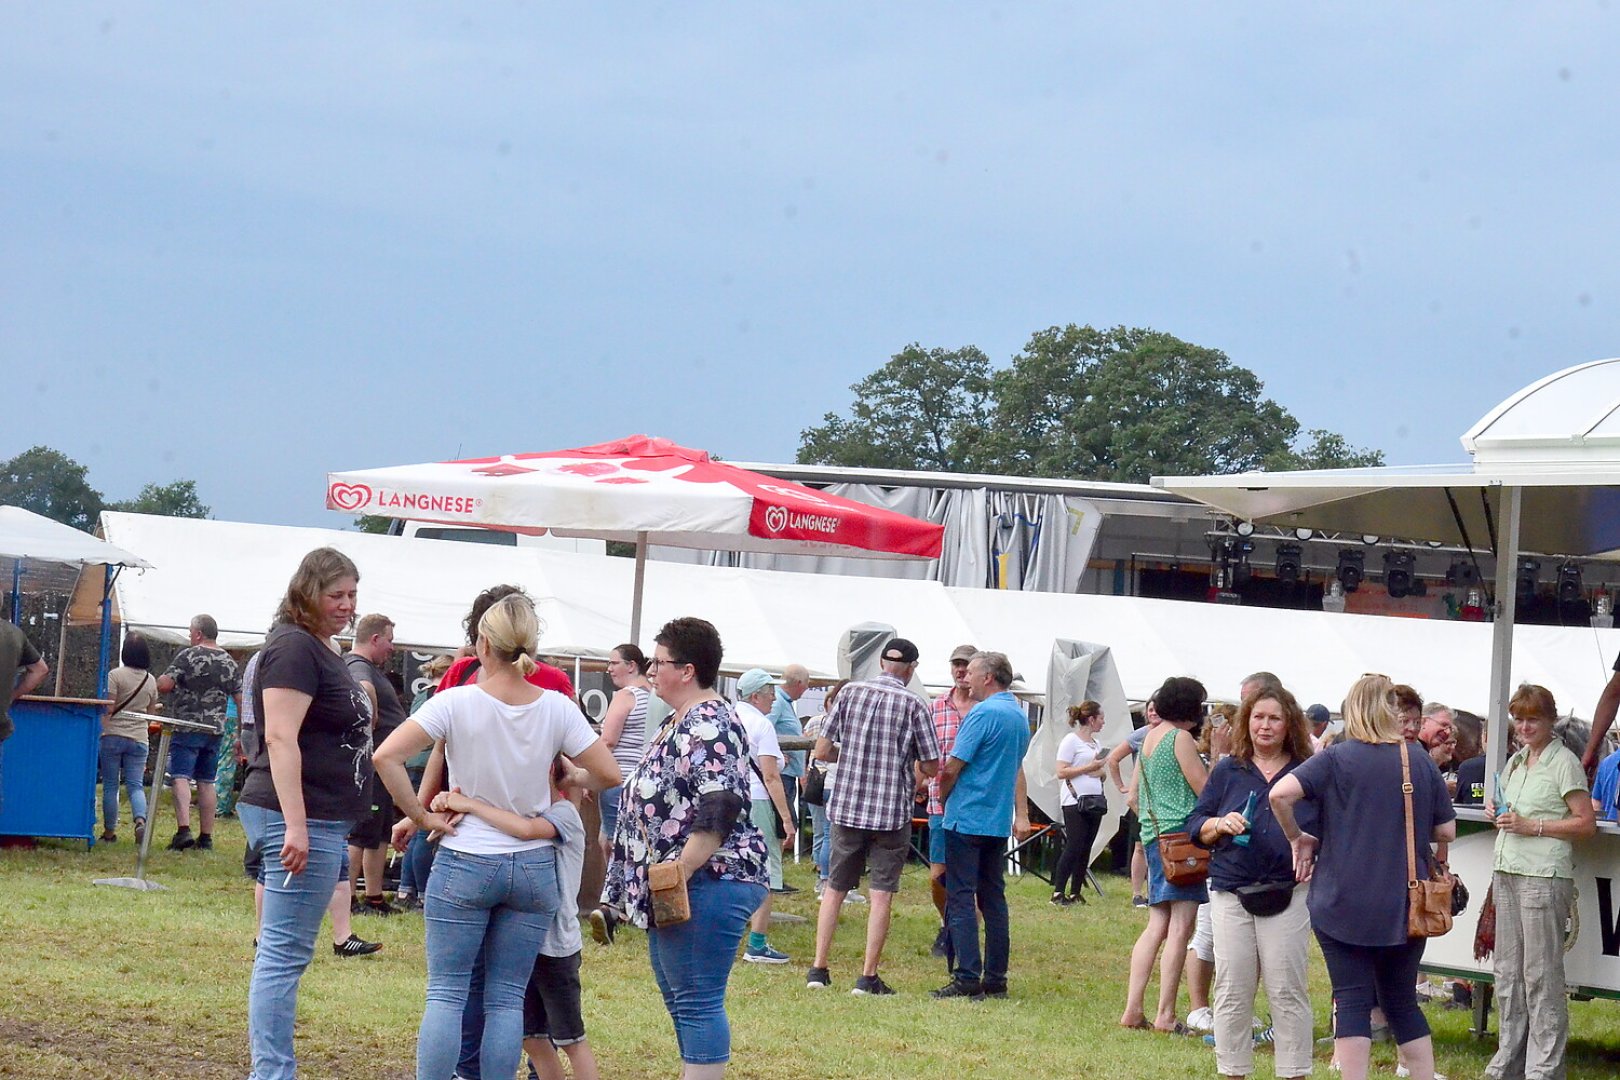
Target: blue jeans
[[973, 869], [692, 963], [122, 760], [497, 905], [818, 847], [293, 906]]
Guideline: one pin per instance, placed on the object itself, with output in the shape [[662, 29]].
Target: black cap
[[900, 651]]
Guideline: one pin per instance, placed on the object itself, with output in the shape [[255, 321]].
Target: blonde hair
[[511, 629], [1369, 711]]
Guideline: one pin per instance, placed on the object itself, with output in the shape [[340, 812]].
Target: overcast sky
[[251, 243]]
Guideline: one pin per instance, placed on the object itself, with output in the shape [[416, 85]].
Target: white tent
[[237, 572]]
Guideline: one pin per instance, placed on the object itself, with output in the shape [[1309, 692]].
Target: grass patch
[[107, 983]]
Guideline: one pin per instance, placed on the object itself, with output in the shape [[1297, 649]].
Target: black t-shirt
[[390, 713], [1471, 782], [335, 738]]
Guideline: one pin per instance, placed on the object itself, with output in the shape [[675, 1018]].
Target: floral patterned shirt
[[705, 750]]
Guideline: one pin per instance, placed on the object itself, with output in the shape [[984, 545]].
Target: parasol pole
[[1507, 570], [641, 581]]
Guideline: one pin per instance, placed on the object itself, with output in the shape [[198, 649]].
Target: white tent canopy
[[238, 572], [27, 535]]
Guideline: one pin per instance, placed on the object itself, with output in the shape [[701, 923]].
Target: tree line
[[1119, 405], [51, 484]]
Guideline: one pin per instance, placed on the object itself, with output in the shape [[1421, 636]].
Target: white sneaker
[[1201, 1019], [853, 897], [1403, 1071]]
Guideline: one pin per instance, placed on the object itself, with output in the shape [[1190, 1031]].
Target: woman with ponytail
[[495, 886]]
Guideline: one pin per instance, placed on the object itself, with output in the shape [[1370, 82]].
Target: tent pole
[[641, 580], [106, 633], [61, 649], [16, 591], [1507, 569]]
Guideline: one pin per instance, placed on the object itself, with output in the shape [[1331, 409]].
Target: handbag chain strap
[[1411, 832]]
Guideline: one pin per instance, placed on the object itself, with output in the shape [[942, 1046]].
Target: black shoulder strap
[[468, 672]]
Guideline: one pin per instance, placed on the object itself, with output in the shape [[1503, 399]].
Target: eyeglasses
[[656, 663]]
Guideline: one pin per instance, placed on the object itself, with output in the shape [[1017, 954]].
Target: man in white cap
[[756, 691], [882, 737]]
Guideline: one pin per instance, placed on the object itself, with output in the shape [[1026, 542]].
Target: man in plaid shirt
[[882, 737]]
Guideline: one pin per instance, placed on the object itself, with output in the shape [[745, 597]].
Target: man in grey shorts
[[882, 737]]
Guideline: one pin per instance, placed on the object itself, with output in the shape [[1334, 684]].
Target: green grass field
[[110, 983]]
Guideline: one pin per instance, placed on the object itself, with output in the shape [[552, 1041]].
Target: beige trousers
[[1247, 949]]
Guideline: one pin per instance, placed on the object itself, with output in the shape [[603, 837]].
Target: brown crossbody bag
[[1428, 902], [1184, 862]]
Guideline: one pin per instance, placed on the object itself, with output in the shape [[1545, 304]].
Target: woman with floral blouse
[[684, 804]]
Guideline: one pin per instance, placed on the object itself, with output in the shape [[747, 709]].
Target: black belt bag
[[1267, 898]]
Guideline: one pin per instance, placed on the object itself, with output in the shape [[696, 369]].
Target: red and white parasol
[[639, 490]]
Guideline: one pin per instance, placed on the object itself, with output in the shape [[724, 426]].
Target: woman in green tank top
[[1169, 777]]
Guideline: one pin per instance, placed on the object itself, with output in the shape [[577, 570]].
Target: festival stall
[[1545, 478], [51, 759]]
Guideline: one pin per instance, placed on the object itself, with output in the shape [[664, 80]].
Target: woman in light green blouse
[[1542, 808]]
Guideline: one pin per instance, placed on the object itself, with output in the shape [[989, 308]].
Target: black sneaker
[[872, 984], [942, 942], [817, 979], [1059, 900], [205, 841], [183, 840], [355, 946], [785, 889], [957, 989], [377, 906], [408, 902], [603, 926], [993, 990]]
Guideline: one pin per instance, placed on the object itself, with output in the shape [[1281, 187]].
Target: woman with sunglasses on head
[[1542, 808], [683, 805], [1358, 863]]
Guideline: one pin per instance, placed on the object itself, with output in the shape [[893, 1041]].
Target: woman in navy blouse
[[1262, 926], [1356, 862]]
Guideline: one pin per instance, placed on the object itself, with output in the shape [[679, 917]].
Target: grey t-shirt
[[562, 935]]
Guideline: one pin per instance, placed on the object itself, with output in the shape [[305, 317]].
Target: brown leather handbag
[[1184, 862], [1428, 902]]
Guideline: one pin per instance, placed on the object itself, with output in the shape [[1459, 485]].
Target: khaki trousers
[[1247, 949]]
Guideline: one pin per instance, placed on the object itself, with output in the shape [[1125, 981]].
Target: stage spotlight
[[1241, 570], [1398, 573], [1290, 560], [1462, 574], [1569, 583], [1524, 589], [1351, 568]]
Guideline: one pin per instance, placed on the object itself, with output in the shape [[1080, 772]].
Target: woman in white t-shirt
[[495, 886], [1080, 764]]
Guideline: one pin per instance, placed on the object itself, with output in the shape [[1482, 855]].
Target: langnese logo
[[779, 519], [348, 496]]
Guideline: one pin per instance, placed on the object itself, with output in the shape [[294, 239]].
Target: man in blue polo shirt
[[982, 786]]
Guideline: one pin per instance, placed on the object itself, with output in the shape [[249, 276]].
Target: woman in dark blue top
[[1356, 861], [1262, 927]]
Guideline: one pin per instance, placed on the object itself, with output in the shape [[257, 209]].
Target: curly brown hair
[[1297, 740]]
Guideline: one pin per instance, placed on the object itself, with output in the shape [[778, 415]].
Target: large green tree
[[52, 484], [178, 499], [1121, 404], [924, 409]]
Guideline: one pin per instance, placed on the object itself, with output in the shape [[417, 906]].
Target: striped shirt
[[881, 730], [633, 736]]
